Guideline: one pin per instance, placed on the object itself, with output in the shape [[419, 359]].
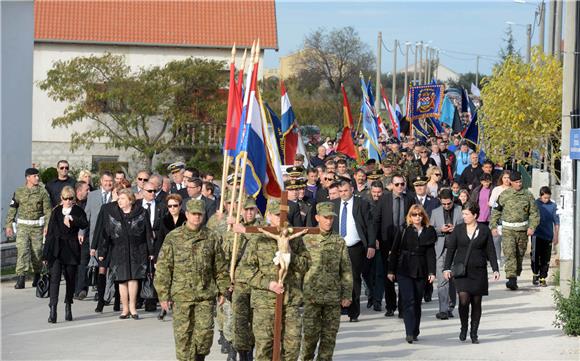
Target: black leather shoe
[[135, 316], [99, 308], [409, 339], [68, 312], [370, 302], [377, 307], [124, 317], [35, 279], [161, 315], [512, 283], [20, 282], [463, 334], [82, 295], [401, 315], [442, 316], [389, 313], [450, 314], [52, 315], [354, 319]]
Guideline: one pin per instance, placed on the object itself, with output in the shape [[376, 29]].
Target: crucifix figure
[[283, 234]]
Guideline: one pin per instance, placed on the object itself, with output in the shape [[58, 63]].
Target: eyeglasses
[[173, 206], [143, 179], [416, 215], [399, 184], [446, 204], [68, 198], [63, 168], [423, 152], [149, 190]]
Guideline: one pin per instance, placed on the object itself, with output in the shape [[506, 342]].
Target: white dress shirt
[[352, 237], [151, 210]]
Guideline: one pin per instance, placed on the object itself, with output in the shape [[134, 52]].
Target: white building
[[147, 33], [442, 72]]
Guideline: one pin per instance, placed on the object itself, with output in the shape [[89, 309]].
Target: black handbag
[[458, 269], [147, 288], [92, 271], [43, 284]]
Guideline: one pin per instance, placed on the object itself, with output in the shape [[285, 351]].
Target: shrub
[[568, 310]]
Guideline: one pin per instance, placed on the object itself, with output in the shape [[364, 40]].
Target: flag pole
[[225, 167]]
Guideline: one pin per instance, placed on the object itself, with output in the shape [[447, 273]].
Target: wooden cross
[[277, 347]]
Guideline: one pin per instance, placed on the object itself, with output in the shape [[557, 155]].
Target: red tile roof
[[189, 23]]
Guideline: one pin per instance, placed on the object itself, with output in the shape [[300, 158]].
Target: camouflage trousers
[[219, 317], [321, 323], [242, 322], [263, 326], [28, 249], [193, 328], [227, 320], [514, 245]]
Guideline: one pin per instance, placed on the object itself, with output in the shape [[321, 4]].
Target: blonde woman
[[435, 178], [86, 176]]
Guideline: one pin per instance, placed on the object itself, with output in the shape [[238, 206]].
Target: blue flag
[[277, 125], [447, 112], [370, 126]]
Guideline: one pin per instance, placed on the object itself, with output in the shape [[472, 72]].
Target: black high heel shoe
[[52, 315], [135, 316], [124, 317], [463, 334]]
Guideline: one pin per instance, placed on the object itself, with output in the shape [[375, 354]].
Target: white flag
[[475, 90]]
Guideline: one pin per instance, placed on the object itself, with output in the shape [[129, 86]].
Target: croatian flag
[[292, 139], [392, 115]]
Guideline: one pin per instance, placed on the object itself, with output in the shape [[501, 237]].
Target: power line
[[385, 46]]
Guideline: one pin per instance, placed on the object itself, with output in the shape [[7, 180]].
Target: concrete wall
[[16, 62]]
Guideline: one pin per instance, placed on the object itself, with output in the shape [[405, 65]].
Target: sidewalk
[[516, 325]]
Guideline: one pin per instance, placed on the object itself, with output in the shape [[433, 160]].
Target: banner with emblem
[[425, 101]]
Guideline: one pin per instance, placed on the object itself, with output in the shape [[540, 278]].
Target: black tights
[[465, 300]]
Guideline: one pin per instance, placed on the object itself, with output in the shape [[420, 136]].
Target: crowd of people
[[427, 214]]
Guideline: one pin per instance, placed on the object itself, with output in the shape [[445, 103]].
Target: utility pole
[[378, 83], [558, 30], [407, 45], [477, 71], [428, 61], [421, 62], [394, 94], [551, 25], [529, 43], [415, 69], [542, 17], [436, 72], [570, 219]]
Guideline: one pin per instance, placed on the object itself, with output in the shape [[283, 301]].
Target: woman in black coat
[[127, 235], [412, 262], [62, 249], [473, 284]]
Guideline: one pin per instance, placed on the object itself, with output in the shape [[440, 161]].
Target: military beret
[[250, 203], [30, 171], [175, 167], [295, 171], [273, 206], [374, 174], [195, 206], [420, 181], [515, 176], [325, 209]]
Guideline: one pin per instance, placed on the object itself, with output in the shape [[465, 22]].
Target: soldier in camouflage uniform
[[519, 216], [410, 169], [190, 273], [264, 283], [327, 286], [242, 311], [30, 208]]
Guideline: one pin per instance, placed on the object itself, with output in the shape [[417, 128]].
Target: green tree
[[149, 110], [521, 109], [509, 50]]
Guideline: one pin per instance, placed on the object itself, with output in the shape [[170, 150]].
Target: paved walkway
[[515, 326]]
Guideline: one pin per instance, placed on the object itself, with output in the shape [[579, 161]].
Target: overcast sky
[[469, 26]]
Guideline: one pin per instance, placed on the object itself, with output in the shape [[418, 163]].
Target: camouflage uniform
[[219, 226], [411, 170], [191, 272], [32, 206], [327, 282], [262, 271], [517, 211]]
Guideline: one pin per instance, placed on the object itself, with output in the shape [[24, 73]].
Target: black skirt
[[475, 281]]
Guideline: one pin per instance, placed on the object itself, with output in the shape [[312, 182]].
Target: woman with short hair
[[127, 235], [62, 249], [86, 176]]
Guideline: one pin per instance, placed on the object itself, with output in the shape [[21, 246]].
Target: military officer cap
[[250, 203], [273, 206], [195, 206], [302, 183], [295, 171], [176, 167], [420, 181], [30, 171], [325, 209], [230, 179], [371, 161], [291, 184], [515, 176], [374, 174]]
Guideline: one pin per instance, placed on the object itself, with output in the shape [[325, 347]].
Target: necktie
[[104, 197], [343, 221], [398, 211], [147, 206]]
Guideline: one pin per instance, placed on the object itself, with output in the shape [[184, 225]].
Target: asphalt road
[[516, 325]]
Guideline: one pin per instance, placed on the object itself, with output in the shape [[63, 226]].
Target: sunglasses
[[63, 168], [446, 204], [68, 198], [437, 174], [399, 184], [143, 179], [423, 152], [173, 206], [416, 215], [149, 190]]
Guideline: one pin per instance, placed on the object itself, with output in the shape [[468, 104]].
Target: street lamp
[[529, 36]]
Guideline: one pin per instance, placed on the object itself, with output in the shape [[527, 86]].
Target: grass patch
[[8, 271]]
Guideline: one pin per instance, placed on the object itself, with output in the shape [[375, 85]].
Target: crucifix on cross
[[283, 234]]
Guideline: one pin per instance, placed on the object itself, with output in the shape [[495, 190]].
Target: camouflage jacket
[[191, 266], [217, 225], [515, 207], [262, 271], [30, 204], [411, 170], [329, 278]]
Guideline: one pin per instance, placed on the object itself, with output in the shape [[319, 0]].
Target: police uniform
[[262, 270], [191, 272], [327, 282], [30, 208], [517, 212]]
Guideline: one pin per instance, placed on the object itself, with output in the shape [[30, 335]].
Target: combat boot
[[232, 354], [512, 283], [543, 282], [68, 312], [535, 280], [35, 279], [20, 282], [52, 315], [199, 357], [225, 349]]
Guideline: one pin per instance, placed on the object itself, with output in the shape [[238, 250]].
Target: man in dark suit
[[421, 197], [390, 213], [160, 194], [355, 224], [194, 192]]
